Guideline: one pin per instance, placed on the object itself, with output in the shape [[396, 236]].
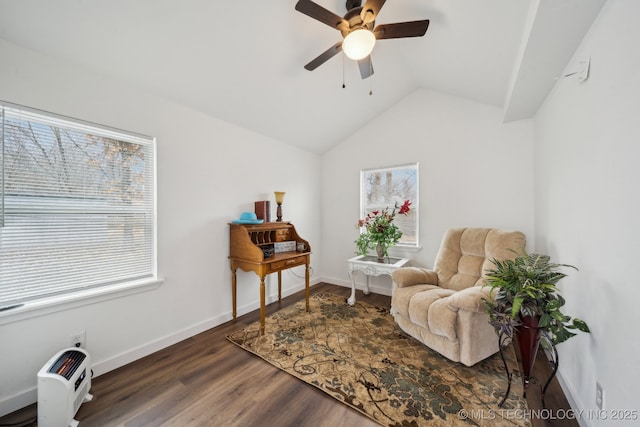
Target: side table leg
[[279, 286], [394, 285], [366, 286], [352, 299], [262, 305], [233, 291], [503, 341], [306, 284], [555, 362]]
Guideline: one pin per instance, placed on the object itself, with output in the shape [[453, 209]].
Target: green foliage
[[526, 286], [379, 229], [387, 235]]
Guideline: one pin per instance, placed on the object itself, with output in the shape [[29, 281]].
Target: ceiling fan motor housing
[[355, 21], [353, 3]]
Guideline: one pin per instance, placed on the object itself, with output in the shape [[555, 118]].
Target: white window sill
[[76, 299], [404, 251]]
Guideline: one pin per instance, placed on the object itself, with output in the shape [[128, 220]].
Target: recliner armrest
[[470, 299], [409, 276]]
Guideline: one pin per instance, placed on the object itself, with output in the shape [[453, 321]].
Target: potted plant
[[527, 302], [378, 230]]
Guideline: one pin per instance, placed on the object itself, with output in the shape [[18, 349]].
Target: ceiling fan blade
[[401, 29], [321, 14], [370, 10], [366, 67], [324, 57]]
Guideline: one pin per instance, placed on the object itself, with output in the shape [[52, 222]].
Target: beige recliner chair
[[443, 307]]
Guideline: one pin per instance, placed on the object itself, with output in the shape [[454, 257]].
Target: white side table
[[370, 266]]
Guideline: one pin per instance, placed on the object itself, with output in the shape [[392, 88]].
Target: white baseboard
[[122, 359], [575, 405], [336, 281], [18, 401], [30, 395]]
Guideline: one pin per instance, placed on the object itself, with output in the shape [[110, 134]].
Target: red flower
[[405, 207]]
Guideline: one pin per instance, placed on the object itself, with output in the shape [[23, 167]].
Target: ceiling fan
[[358, 31]]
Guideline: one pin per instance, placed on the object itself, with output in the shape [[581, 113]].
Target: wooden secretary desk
[[267, 248]]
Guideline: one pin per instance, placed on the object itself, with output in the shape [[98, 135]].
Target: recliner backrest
[[466, 253]]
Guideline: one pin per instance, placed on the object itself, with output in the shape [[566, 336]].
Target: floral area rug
[[359, 356]]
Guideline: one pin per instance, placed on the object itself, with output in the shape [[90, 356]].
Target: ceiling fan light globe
[[358, 44]]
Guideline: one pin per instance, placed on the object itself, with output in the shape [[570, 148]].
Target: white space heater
[[63, 385]]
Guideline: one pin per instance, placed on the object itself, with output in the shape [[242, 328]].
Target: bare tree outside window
[[78, 207], [387, 186]]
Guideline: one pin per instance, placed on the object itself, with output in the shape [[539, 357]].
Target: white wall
[[587, 148], [474, 171], [209, 172], [579, 203]]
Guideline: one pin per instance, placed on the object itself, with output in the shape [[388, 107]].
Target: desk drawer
[[286, 263]]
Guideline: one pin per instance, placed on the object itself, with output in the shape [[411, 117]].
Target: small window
[[385, 187], [77, 206]]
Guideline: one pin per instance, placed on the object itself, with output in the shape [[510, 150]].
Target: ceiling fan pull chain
[[370, 77], [343, 85]]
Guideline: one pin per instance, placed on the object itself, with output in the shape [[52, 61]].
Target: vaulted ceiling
[[242, 61]]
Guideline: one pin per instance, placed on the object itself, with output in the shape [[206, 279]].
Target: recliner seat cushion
[[402, 298], [421, 304]]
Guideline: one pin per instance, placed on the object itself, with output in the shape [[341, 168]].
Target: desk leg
[[233, 291], [279, 286], [306, 284], [352, 299], [262, 305]]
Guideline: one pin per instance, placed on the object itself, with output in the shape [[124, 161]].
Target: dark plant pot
[[528, 336]]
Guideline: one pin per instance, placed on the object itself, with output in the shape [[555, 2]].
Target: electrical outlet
[[79, 339], [599, 396]]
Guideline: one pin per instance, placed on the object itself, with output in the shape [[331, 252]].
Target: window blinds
[[384, 188], [77, 206]]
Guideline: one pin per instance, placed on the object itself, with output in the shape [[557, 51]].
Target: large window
[[77, 206], [385, 187]]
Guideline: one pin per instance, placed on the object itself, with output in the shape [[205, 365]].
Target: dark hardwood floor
[[207, 381]]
